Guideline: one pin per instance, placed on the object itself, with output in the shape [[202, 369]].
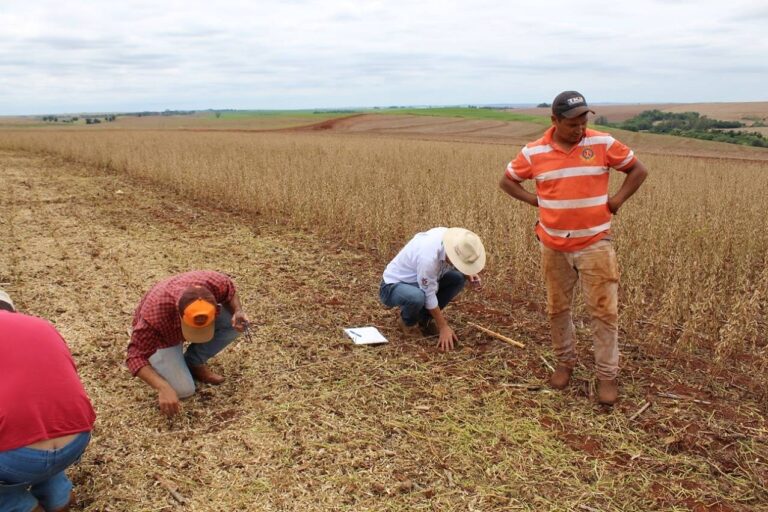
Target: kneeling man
[[427, 274], [200, 307]]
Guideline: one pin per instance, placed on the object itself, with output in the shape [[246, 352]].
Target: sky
[[109, 56]]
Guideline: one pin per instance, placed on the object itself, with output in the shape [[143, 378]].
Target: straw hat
[[465, 250]]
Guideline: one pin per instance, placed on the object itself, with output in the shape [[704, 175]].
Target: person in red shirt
[[46, 416], [570, 166], [200, 307]]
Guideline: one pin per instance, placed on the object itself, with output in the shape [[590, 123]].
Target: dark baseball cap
[[570, 104]]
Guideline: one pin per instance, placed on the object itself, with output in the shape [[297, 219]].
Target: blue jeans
[[410, 298], [29, 476], [171, 362]]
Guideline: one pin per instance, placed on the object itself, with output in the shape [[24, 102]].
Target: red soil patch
[[742, 111], [515, 134]]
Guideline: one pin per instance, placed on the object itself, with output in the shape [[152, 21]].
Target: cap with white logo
[[570, 104]]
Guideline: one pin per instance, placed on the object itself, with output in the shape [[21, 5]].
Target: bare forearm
[[517, 191], [239, 319], [167, 398], [151, 377], [440, 320], [234, 305], [632, 182]]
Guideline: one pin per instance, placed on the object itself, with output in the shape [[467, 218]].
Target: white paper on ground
[[365, 335]]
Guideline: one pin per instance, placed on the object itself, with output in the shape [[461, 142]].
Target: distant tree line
[[689, 124], [664, 122], [336, 111], [166, 112], [88, 120], [95, 120]]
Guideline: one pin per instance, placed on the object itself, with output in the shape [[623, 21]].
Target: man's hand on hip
[[613, 205]]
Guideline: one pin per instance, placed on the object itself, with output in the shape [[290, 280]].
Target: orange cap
[[197, 321]]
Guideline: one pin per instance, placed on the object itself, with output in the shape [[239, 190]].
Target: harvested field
[[229, 121], [692, 257], [735, 111], [308, 422], [433, 128], [517, 134]]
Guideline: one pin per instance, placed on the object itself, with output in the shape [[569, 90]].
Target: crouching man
[[46, 416], [200, 307], [426, 275]]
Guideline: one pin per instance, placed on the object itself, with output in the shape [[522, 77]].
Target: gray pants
[[172, 363]]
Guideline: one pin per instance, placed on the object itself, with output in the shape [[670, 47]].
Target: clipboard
[[365, 336]]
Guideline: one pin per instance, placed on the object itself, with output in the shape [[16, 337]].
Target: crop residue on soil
[[308, 422]]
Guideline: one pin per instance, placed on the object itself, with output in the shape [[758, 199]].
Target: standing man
[[46, 416], [200, 307], [570, 165], [427, 274]]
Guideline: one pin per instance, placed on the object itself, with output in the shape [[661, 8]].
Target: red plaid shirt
[[156, 322]]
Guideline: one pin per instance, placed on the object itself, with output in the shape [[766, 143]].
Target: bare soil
[[517, 134], [746, 112], [306, 421]]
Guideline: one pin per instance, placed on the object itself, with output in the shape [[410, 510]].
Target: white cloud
[[136, 55]]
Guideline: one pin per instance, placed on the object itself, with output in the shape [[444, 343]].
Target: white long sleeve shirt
[[421, 261]]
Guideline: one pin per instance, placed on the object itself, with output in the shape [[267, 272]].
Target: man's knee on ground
[[184, 389]]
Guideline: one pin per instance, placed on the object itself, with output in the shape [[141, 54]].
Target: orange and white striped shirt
[[572, 188]]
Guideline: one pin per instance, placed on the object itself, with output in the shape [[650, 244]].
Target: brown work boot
[[561, 377], [410, 331], [607, 391], [429, 328], [204, 374]]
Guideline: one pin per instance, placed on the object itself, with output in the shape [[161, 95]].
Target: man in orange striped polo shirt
[[570, 166]]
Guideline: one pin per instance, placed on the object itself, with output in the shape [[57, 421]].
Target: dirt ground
[[306, 421], [746, 112], [516, 134]]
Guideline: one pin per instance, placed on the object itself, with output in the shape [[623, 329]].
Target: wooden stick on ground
[[546, 363], [497, 335], [640, 411], [673, 396], [171, 488]]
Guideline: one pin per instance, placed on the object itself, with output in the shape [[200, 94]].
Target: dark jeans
[[410, 298]]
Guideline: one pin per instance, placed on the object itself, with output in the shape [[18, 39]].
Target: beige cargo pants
[[597, 269]]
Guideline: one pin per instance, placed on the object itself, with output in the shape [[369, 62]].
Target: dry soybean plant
[[692, 243]]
